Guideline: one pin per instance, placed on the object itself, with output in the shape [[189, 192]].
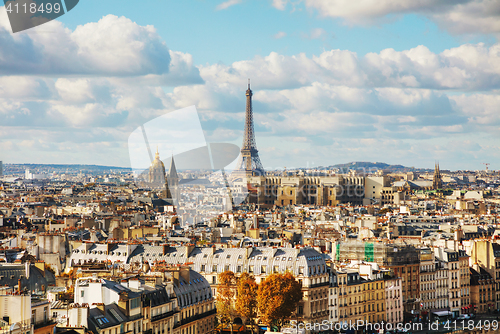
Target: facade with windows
[[441, 277], [351, 295], [482, 290], [450, 261], [486, 254], [428, 284], [312, 190], [195, 303], [306, 264], [394, 300], [464, 282], [180, 301], [41, 317], [333, 298], [114, 308]]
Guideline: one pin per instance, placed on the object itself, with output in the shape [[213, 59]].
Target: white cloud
[[279, 35], [82, 90], [315, 33], [481, 109], [113, 46], [227, 4], [23, 87], [356, 11], [461, 17], [480, 16], [88, 115], [280, 4], [468, 67]]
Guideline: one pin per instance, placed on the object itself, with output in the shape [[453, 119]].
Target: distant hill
[[375, 166], [47, 168]]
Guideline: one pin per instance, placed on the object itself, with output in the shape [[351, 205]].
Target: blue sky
[[393, 81], [246, 29]]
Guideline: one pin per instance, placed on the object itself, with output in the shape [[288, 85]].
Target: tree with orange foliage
[[277, 298], [225, 299], [246, 300]]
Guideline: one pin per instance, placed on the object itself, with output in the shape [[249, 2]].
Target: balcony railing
[[194, 317], [317, 285], [163, 315]]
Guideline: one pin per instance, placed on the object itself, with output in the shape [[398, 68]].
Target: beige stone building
[[450, 261], [394, 300], [486, 254], [482, 291], [428, 283], [292, 190]]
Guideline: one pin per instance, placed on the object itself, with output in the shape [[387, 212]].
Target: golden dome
[[157, 171], [157, 162]]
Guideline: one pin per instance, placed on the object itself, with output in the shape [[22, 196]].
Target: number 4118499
[[33, 8], [471, 324]]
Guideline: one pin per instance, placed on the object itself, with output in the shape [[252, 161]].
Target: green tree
[[277, 298], [246, 300], [225, 299]]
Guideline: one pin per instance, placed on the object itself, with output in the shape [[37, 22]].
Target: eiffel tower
[[249, 162]]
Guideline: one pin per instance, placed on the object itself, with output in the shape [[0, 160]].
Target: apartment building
[[351, 295], [178, 301], [394, 300], [441, 277], [374, 310], [333, 298], [486, 254], [482, 289], [305, 263], [449, 259], [400, 259], [464, 281], [428, 283]]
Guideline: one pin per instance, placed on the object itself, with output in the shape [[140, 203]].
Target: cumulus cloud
[[279, 35], [371, 9], [83, 90], [481, 109], [469, 17], [280, 4], [227, 4], [460, 17], [113, 46], [26, 88], [467, 67]]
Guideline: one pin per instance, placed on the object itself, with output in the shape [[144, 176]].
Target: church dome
[[157, 163], [157, 171]]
